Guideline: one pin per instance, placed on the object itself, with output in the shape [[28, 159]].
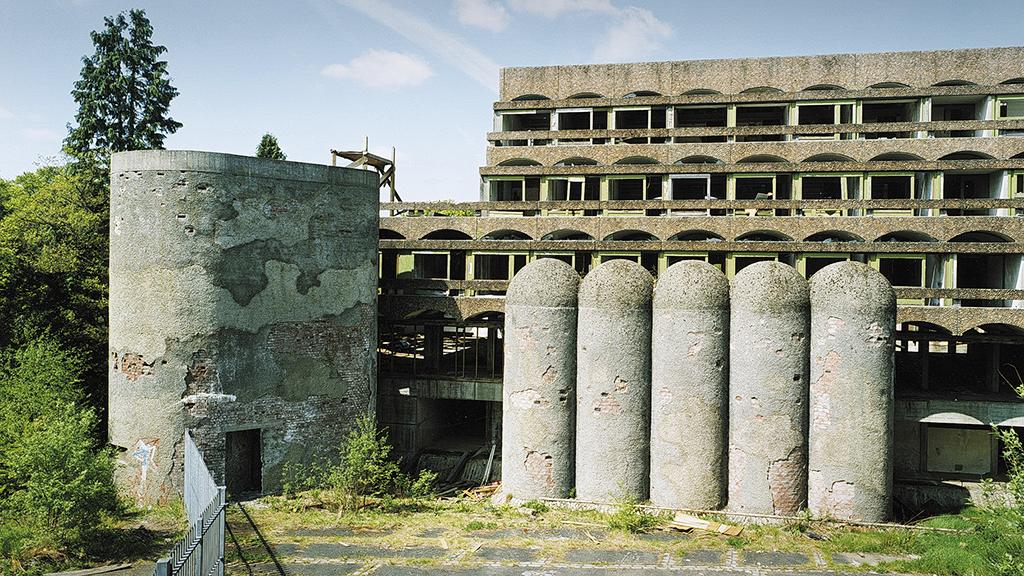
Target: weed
[[630, 517], [537, 506]]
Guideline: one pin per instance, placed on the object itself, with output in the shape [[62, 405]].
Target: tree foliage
[[124, 94], [269, 148], [55, 481]]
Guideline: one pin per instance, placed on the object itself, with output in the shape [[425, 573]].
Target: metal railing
[[201, 551]]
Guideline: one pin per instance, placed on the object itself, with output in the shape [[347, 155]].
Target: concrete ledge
[[231, 164]]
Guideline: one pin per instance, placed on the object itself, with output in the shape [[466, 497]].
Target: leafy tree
[[268, 148], [55, 481], [53, 266], [124, 94]]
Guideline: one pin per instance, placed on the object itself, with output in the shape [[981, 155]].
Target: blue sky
[[419, 74]]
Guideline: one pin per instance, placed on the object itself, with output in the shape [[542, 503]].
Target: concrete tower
[[768, 372], [242, 307], [613, 382], [539, 393], [853, 317], [689, 380]]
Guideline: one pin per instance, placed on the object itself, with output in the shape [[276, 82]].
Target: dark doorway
[[243, 463]]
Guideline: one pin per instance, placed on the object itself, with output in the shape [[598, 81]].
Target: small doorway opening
[[243, 463]]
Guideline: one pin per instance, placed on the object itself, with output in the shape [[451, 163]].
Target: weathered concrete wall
[[689, 381], [242, 295], [613, 383], [768, 373], [539, 396], [850, 462]]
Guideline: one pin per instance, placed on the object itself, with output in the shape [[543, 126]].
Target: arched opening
[[896, 157], [567, 234], [446, 234], [519, 162], [584, 95], [576, 161], [823, 87], [701, 92], [1017, 80], [763, 236], [955, 82], [631, 236], [506, 234], [906, 236], [642, 94], [967, 155], [696, 236], [881, 85], [698, 159], [828, 157], [388, 234], [761, 158], [528, 97], [762, 90], [829, 236], [637, 160]]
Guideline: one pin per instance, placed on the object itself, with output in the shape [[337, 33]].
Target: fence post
[[163, 567], [222, 499]]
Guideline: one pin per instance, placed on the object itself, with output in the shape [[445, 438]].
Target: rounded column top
[[617, 284], [770, 287], [546, 282], [692, 285], [852, 286]]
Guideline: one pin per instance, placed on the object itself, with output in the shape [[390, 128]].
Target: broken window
[[430, 265], [700, 116], [895, 187], [885, 111], [497, 266], [506, 190], [954, 109], [905, 271], [632, 119], [761, 115], [525, 121]]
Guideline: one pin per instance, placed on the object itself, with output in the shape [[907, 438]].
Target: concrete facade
[[768, 374], [242, 307], [911, 163], [539, 398], [613, 383], [689, 387], [853, 316]]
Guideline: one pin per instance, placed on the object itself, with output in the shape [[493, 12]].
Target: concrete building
[[912, 163], [242, 307]]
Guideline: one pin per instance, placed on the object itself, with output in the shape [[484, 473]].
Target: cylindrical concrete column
[[613, 382], [768, 372], [538, 443], [853, 317], [689, 386], [243, 307]]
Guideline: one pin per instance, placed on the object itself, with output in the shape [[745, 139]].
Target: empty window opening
[[1011, 108], [760, 115], [243, 462], [742, 262], [814, 263], [506, 190], [430, 265], [966, 186], [497, 266], [822, 187], [877, 112], [903, 272], [700, 117], [531, 121], [816, 114], [575, 120], [632, 119], [758, 188], [892, 187]]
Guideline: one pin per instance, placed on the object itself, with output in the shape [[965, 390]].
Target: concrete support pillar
[[689, 386], [613, 382], [538, 398], [768, 373], [853, 320], [433, 348]]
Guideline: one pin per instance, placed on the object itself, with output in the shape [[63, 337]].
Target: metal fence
[[201, 551]]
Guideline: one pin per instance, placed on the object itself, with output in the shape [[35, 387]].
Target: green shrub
[[56, 484], [537, 506], [630, 517], [364, 465]]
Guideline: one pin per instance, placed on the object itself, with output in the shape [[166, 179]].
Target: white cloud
[[555, 8], [382, 69], [635, 35], [41, 135], [447, 46], [5, 114], [486, 14]]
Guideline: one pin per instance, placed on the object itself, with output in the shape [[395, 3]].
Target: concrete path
[[330, 558]]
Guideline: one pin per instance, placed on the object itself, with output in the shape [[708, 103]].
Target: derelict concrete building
[[912, 163], [242, 308]]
